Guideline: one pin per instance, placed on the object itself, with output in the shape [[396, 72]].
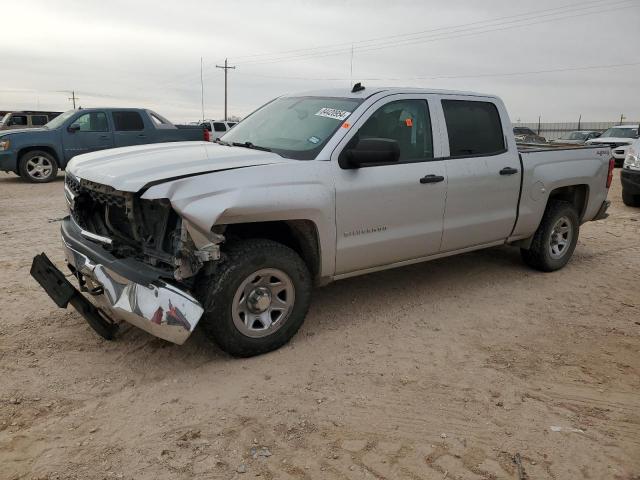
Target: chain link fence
[[551, 131]]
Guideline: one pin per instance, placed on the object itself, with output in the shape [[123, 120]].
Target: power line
[[456, 76], [458, 32], [387, 37]]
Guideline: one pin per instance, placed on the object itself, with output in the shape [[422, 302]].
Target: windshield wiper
[[251, 146], [221, 142]]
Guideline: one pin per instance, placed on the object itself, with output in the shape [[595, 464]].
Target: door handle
[[508, 171], [142, 135], [104, 136], [432, 179]]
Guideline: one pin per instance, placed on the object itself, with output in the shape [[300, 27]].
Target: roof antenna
[[357, 88]]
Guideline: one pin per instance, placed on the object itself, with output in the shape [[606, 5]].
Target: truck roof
[[369, 91]]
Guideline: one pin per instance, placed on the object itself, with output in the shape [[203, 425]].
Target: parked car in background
[[630, 176], [309, 189], [526, 135], [30, 119], [217, 127], [618, 138], [37, 154], [577, 137]]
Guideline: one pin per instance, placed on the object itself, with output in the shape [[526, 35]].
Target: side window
[[219, 127], [474, 128], [18, 120], [38, 119], [405, 121], [127, 121], [92, 122]]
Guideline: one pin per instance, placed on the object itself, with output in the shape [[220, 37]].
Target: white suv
[[217, 128]]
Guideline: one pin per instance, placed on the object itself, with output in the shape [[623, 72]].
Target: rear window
[[127, 121], [38, 119], [219, 127], [474, 128]]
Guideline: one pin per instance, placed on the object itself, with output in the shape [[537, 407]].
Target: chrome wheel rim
[[263, 302], [39, 167], [560, 239]]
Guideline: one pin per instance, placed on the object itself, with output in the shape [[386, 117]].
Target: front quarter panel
[[295, 190]]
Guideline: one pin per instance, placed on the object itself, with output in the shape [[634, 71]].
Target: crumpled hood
[[132, 168]]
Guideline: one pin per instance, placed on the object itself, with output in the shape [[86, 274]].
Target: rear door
[[385, 213], [483, 172], [90, 132], [129, 129]]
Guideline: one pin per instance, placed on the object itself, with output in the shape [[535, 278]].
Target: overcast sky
[[147, 53]]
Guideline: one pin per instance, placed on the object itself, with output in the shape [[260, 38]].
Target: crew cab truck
[[36, 154], [309, 189]]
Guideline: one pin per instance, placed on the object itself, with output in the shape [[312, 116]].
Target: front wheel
[[38, 167], [555, 239], [257, 297]]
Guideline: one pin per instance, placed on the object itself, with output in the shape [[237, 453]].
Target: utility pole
[[622, 117], [579, 121], [73, 98], [226, 69], [201, 90]]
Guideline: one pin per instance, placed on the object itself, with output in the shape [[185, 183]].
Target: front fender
[[298, 191]]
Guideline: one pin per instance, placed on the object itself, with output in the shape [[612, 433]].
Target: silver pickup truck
[[309, 189]]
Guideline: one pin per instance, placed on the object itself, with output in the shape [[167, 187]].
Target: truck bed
[[546, 169]]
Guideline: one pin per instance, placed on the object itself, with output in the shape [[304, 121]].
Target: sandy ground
[[443, 370]]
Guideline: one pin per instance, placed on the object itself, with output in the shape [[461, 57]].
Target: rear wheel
[[555, 239], [38, 166], [630, 200], [257, 297]]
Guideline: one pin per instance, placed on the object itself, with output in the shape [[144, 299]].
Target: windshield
[[60, 119], [620, 132], [575, 136], [293, 127]]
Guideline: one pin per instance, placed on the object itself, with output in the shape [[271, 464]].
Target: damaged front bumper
[[127, 290]]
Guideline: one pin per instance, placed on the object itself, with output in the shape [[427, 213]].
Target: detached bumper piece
[[118, 289], [63, 293]]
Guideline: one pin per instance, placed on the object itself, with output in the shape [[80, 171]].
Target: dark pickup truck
[[36, 154]]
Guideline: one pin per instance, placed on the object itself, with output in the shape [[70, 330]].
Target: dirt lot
[[436, 371]]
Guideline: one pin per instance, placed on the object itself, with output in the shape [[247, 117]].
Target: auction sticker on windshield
[[333, 113]]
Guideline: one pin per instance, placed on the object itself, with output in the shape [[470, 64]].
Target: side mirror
[[73, 128], [370, 151]]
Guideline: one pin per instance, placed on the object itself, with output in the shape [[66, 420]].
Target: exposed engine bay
[[147, 230]]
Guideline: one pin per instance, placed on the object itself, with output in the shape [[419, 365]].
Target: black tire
[[630, 200], [27, 170], [217, 290], [539, 255]]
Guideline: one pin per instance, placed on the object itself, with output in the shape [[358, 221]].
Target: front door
[[388, 213], [483, 172], [87, 133]]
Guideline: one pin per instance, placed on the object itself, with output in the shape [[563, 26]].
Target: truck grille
[[144, 229]]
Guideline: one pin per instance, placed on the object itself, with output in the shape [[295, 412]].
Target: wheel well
[[576, 195], [49, 150], [299, 235]]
